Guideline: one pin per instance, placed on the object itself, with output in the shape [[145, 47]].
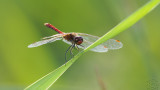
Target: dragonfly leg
[[81, 46], [67, 51], [77, 48], [72, 55]]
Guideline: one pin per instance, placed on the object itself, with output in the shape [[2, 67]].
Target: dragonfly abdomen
[[53, 27]]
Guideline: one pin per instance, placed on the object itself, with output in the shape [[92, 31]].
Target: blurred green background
[[134, 67]]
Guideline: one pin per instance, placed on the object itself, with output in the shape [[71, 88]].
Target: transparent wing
[[109, 44], [113, 44], [46, 40]]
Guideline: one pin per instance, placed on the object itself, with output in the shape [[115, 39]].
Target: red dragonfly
[[78, 40]]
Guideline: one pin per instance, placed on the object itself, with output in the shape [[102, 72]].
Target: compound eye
[[78, 40]]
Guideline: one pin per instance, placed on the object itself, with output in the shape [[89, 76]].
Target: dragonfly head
[[78, 40]]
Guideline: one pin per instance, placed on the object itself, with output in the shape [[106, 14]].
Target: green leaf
[[46, 81]]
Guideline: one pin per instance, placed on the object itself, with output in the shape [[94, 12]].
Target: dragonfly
[[77, 40]]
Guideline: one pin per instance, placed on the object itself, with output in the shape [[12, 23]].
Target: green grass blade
[[46, 81]]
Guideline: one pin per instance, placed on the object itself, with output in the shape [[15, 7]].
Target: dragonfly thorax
[[73, 38]]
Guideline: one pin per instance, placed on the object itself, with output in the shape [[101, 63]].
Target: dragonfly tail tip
[[46, 24]]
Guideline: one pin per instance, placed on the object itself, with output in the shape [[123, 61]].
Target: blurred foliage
[[131, 68]]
